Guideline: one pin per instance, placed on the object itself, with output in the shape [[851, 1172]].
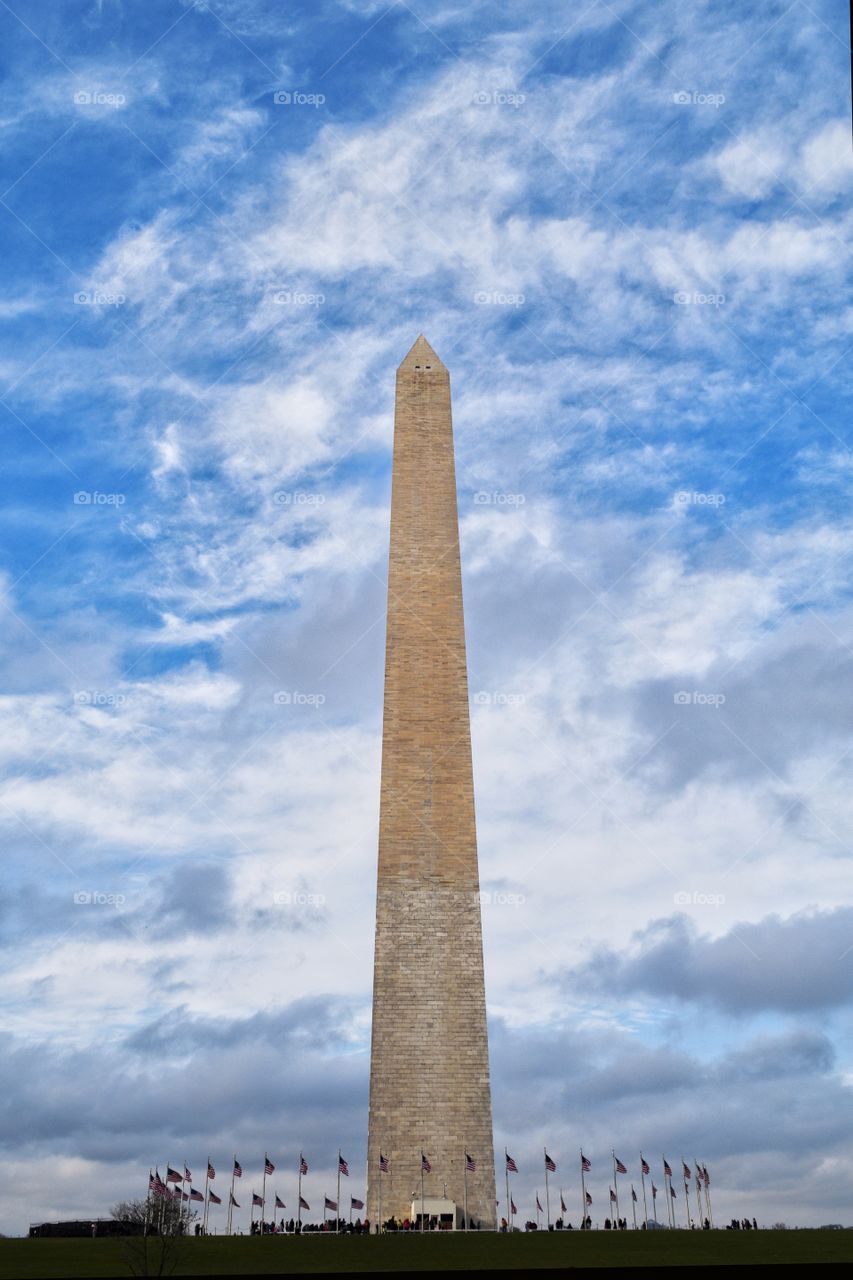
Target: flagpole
[[264, 1194], [643, 1180], [423, 1201], [633, 1206], [583, 1197], [508, 1202], [537, 1210], [206, 1181], [299, 1197], [698, 1176], [686, 1193], [670, 1216], [615, 1184], [547, 1198], [338, 1210], [465, 1186], [231, 1198], [707, 1182]]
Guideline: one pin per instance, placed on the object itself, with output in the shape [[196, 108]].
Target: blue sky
[[627, 235]]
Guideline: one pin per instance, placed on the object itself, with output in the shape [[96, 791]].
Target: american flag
[[187, 1175], [588, 1199], [303, 1165], [303, 1203], [211, 1172], [538, 1205], [633, 1195], [654, 1192], [184, 1196], [644, 1166], [512, 1207], [256, 1199], [196, 1195], [330, 1204], [150, 1180], [706, 1176], [672, 1191], [549, 1164], [426, 1167], [238, 1172], [172, 1175], [342, 1165], [612, 1196], [383, 1163], [213, 1197], [620, 1168], [356, 1204], [562, 1204], [511, 1166], [586, 1165], [269, 1167], [470, 1163], [667, 1170], [279, 1203], [233, 1201], [686, 1170]]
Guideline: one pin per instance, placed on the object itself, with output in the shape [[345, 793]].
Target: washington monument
[[429, 1074]]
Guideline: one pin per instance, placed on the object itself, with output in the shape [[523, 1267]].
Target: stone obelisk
[[429, 1073]]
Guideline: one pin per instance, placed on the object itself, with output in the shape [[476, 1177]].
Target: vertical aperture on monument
[[429, 1074]]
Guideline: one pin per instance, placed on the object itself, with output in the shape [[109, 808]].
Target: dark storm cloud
[[774, 711], [182, 1080], [800, 963]]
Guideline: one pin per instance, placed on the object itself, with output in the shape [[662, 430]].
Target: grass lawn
[[281, 1255]]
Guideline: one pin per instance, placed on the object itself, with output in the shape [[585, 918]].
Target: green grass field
[[276, 1255]]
